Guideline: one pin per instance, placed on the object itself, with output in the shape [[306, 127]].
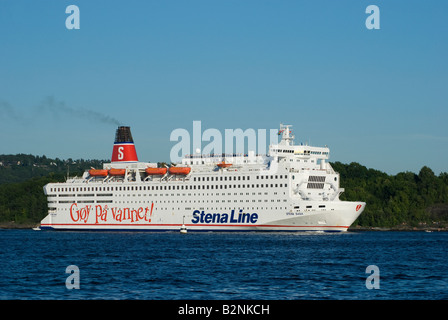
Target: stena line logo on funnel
[[124, 148], [239, 217], [124, 152]]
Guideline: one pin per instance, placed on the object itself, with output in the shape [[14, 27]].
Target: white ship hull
[[293, 189], [335, 217]]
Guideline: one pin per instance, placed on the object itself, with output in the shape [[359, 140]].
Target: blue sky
[[377, 97]]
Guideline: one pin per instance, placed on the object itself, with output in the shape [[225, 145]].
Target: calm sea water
[[267, 266]]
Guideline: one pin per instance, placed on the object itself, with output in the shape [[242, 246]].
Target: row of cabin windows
[[173, 209], [321, 206], [182, 187], [73, 189], [170, 201], [234, 178]]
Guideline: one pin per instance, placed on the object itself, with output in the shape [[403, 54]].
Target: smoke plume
[[60, 109]]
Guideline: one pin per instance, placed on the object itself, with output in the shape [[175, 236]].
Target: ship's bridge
[[286, 147], [299, 151]]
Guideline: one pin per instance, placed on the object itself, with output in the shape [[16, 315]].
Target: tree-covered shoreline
[[403, 200], [406, 200]]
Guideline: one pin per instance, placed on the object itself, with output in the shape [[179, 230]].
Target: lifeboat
[[117, 172], [98, 172], [155, 171], [224, 164], [179, 170]]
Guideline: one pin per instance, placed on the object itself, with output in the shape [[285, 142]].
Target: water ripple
[[223, 266]]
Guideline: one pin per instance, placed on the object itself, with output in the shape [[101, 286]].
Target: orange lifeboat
[[155, 171], [179, 170], [117, 172], [98, 172], [224, 164]]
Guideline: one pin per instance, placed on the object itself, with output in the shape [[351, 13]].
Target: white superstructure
[[293, 188]]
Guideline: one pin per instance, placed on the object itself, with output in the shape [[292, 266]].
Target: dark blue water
[[412, 265]]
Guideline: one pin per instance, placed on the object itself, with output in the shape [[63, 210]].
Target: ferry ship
[[292, 188]]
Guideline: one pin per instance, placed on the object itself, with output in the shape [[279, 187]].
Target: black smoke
[[54, 108], [60, 110]]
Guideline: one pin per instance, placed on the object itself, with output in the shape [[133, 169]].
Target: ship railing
[[303, 170], [220, 155]]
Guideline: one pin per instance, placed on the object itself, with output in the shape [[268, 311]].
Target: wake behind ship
[[293, 188]]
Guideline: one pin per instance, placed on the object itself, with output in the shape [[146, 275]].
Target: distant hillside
[[22, 167], [405, 200], [402, 200]]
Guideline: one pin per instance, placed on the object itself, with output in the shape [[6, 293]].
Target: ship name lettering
[[79, 214], [202, 217], [102, 213], [134, 215]]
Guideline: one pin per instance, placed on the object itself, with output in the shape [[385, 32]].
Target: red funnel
[[124, 148]]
